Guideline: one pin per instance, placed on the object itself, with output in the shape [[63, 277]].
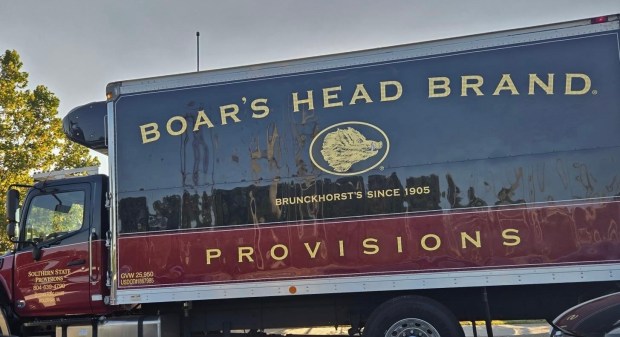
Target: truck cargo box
[[476, 161]]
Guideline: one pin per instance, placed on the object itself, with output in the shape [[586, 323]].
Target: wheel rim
[[412, 327]]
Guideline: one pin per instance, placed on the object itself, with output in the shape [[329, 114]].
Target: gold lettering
[[341, 247], [360, 93], [149, 129], [260, 104], [246, 252], [506, 83], [587, 84], [511, 237], [546, 87], [297, 101], [441, 83], [328, 95], [475, 85], [465, 237], [62, 271], [284, 252], [426, 246], [385, 97], [229, 111], [179, 119], [202, 119], [311, 252], [371, 247], [399, 244], [213, 253]]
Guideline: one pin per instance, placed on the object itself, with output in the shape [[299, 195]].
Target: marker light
[[600, 19]]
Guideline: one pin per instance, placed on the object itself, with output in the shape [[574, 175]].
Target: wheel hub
[[412, 327]]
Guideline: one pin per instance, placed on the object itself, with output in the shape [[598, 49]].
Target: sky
[[77, 47]]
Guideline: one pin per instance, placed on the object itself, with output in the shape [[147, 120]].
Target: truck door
[[52, 267]]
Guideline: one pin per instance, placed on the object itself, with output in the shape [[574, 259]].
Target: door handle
[[91, 277], [76, 262]]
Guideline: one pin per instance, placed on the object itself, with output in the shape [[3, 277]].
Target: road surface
[[503, 330]]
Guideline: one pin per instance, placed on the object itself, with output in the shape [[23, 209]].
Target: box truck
[[395, 190]]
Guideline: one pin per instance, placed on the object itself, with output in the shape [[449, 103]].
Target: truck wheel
[[412, 316]]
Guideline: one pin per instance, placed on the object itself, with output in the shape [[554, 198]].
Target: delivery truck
[[397, 191]]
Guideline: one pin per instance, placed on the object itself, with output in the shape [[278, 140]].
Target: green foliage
[[31, 137]]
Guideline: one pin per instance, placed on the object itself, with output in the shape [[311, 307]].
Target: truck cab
[[59, 261]]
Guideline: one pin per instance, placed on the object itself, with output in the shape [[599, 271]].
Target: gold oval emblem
[[349, 148]]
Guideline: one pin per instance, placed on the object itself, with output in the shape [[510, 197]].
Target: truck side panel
[[454, 246], [474, 161]]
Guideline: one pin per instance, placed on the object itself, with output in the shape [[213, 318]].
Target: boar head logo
[[349, 148], [344, 147]]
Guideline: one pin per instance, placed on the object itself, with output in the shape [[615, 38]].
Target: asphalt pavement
[[503, 330], [499, 330]]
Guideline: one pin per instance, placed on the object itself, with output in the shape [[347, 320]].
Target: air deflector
[[85, 125]]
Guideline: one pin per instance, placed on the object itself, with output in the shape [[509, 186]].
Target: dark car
[[599, 317]]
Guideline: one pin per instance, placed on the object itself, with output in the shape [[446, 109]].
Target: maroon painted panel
[[55, 284], [551, 234], [98, 282], [6, 275]]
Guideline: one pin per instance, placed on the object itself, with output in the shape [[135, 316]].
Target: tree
[[31, 137]]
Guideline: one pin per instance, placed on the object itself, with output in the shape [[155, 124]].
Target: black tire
[[412, 315]]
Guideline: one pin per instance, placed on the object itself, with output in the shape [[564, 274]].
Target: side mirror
[[12, 204], [10, 230], [36, 253]]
